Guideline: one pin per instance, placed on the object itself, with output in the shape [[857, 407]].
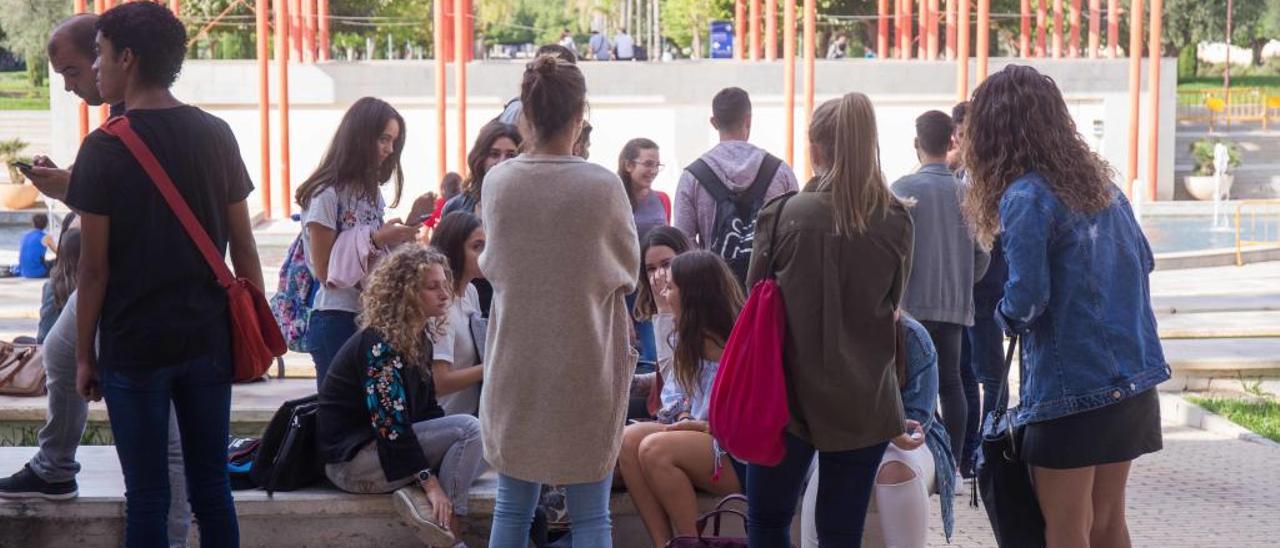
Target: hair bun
[[545, 65]]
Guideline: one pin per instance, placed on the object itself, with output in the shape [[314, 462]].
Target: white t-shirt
[[458, 347], [329, 210], [625, 46]]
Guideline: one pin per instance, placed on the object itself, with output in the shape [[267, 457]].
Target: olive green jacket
[[840, 294]]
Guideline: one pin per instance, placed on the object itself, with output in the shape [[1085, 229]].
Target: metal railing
[[1262, 227], [1211, 106]]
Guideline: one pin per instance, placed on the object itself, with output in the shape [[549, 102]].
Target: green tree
[[688, 22], [1187, 23], [1254, 24], [27, 24]]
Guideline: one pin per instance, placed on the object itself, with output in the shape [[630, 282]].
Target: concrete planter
[[1201, 187], [18, 196]]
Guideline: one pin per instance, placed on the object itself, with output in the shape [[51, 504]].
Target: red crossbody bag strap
[[119, 127]]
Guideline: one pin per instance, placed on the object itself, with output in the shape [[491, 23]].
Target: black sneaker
[[27, 485]]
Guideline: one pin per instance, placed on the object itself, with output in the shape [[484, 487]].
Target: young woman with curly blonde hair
[[380, 427], [1079, 296]]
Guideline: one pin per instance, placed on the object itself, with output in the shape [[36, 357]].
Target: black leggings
[[947, 338]]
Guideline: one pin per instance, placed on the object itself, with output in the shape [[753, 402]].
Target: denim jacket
[[1079, 295], [919, 400]]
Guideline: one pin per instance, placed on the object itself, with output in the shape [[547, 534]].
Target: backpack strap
[[119, 127], [666, 204], [764, 177], [710, 182]]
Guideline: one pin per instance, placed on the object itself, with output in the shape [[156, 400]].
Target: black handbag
[[1004, 480], [287, 459]]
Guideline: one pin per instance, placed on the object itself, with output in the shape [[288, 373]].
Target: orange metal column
[[1135, 90], [1113, 28], [308, 31], [1041, 28], [789, 74], [264, 107], [460, 81], [899, 30], [82, 109], [469, 30], [770, 30], [951, 29], [933, 29], [882, 28], [322, 14], [739, 29], [1095, 28], [922, 23], [810, 35], [910, 38], [282, 62], [437, 36], [962, 53], [1074, 42], [984, 39], [1153, 96], [753, 27], [1057, 29], [1024, 29]]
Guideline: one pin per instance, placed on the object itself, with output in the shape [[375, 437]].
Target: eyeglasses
[[650, 165]]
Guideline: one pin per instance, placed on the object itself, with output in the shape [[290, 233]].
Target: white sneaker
[[412, 505]]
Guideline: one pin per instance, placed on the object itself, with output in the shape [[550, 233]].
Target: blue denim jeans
[[327, 331], [844, 491], [138, 403], [588, 505]]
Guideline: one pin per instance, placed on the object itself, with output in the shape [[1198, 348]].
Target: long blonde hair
[[389, 301], [845, 130]]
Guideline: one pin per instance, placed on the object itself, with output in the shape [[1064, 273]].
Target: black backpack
[[287, 458], [241, 453], [735, 226]]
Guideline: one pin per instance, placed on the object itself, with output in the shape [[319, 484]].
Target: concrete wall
[[667, 102]]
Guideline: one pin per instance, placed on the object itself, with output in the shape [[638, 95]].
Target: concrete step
[[313, 517], [1220, 325], [1249, 357]]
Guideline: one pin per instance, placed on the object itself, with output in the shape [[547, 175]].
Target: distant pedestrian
[[598, 47], [624, 46]]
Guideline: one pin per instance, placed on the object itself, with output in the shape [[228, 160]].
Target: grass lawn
[[1262, 417], [17, 94], [1270, 83]]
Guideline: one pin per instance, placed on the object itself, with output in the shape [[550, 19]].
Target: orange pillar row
[[910, 39], [962, 53], [1024, 29], [322, 27], [1113, 28], [951, 29], [1135, 90], [437, 36], [1095, 28], [882, 28], [1153, 96], [770, 30], [739, 29], [82, 110], [789, 72], [1057, 29], [810, 36], [460, 80], [984, 39], [1041, 28], [264, 106], [282, 62]]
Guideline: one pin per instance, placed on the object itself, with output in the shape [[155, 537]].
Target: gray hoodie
[[736, 164]]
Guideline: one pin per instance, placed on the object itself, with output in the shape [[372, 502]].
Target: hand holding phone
[[24, 167]]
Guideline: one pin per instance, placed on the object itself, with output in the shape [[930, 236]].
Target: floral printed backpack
[[295, 295]]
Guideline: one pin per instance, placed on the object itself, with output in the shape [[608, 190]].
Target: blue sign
[[722, 40]]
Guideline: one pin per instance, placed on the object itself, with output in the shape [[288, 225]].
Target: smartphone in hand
[[24, 167]]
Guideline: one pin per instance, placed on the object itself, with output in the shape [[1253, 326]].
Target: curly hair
[[1017, 122], [387, 304], [154, 35]]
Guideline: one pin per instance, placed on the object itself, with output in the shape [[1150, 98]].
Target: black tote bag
[[1004, 480]]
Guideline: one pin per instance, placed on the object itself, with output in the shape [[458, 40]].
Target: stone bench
[[318, 516]]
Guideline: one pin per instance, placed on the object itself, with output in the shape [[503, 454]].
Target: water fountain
[[1221, 160]]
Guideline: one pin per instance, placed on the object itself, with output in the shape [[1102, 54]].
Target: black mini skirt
[[1119, 432]]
